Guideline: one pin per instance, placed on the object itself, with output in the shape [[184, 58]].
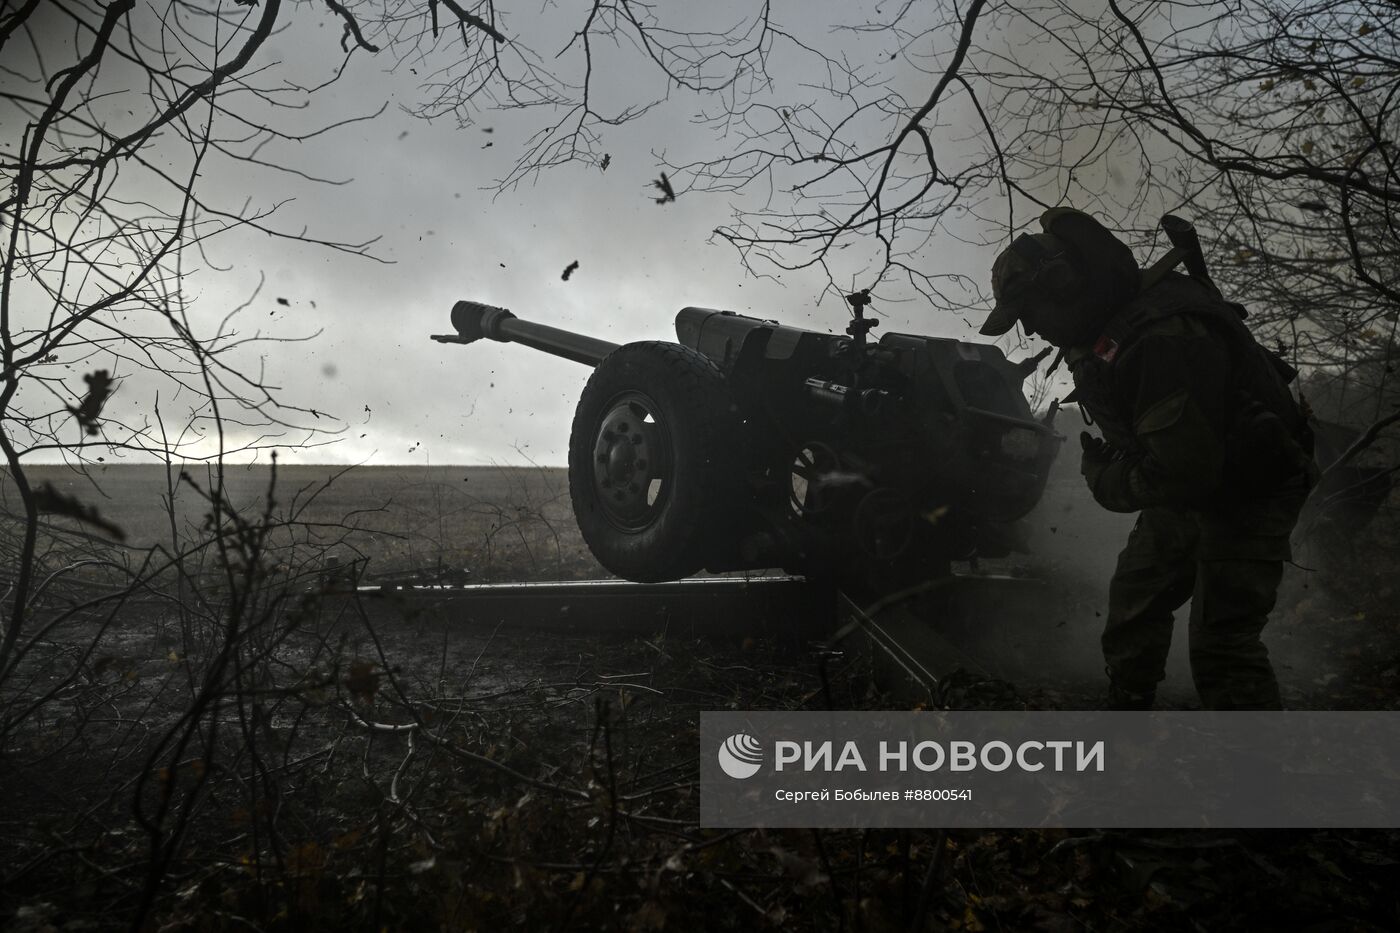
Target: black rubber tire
[[689, 441]]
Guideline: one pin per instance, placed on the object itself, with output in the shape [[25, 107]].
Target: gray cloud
[[422, 188]]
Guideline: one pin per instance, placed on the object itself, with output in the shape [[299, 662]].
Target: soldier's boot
[[1121, 697]]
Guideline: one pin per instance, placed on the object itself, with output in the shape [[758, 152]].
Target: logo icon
[[740, 756]]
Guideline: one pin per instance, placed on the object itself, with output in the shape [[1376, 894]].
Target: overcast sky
[[425, 190]]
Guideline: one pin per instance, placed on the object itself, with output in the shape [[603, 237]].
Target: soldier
[[1201, 437]]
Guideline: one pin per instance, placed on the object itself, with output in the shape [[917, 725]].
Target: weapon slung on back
[[1186, 248]]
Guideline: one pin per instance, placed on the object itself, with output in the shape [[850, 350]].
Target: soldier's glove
[[1098, 453], [1097, 456], [1105, 470], [1095, 448]]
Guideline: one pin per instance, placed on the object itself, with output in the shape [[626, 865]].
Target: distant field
[[498, 522], [501, 523]]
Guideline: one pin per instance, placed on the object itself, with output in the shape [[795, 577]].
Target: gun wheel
[[809, 478], [647, 460]]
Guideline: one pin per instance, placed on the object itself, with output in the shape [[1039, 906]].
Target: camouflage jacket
[[1197, 412]]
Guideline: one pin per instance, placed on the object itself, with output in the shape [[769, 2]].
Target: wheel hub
[[626, 461]]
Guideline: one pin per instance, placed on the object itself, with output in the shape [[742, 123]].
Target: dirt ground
[[398, 765]]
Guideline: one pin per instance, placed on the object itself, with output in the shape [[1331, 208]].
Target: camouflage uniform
[[1211, 449], [1205, 440]]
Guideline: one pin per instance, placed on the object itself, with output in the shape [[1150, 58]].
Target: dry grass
[[374, 763], [498, 523]]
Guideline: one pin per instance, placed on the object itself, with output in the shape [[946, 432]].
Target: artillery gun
[[750, 444]]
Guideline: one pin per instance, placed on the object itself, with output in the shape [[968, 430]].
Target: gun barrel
[[474, 320]]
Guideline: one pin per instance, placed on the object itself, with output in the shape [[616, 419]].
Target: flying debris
[[88, 412], [663, 184]]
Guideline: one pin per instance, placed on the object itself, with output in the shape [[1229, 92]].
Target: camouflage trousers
[[1229, 564]]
